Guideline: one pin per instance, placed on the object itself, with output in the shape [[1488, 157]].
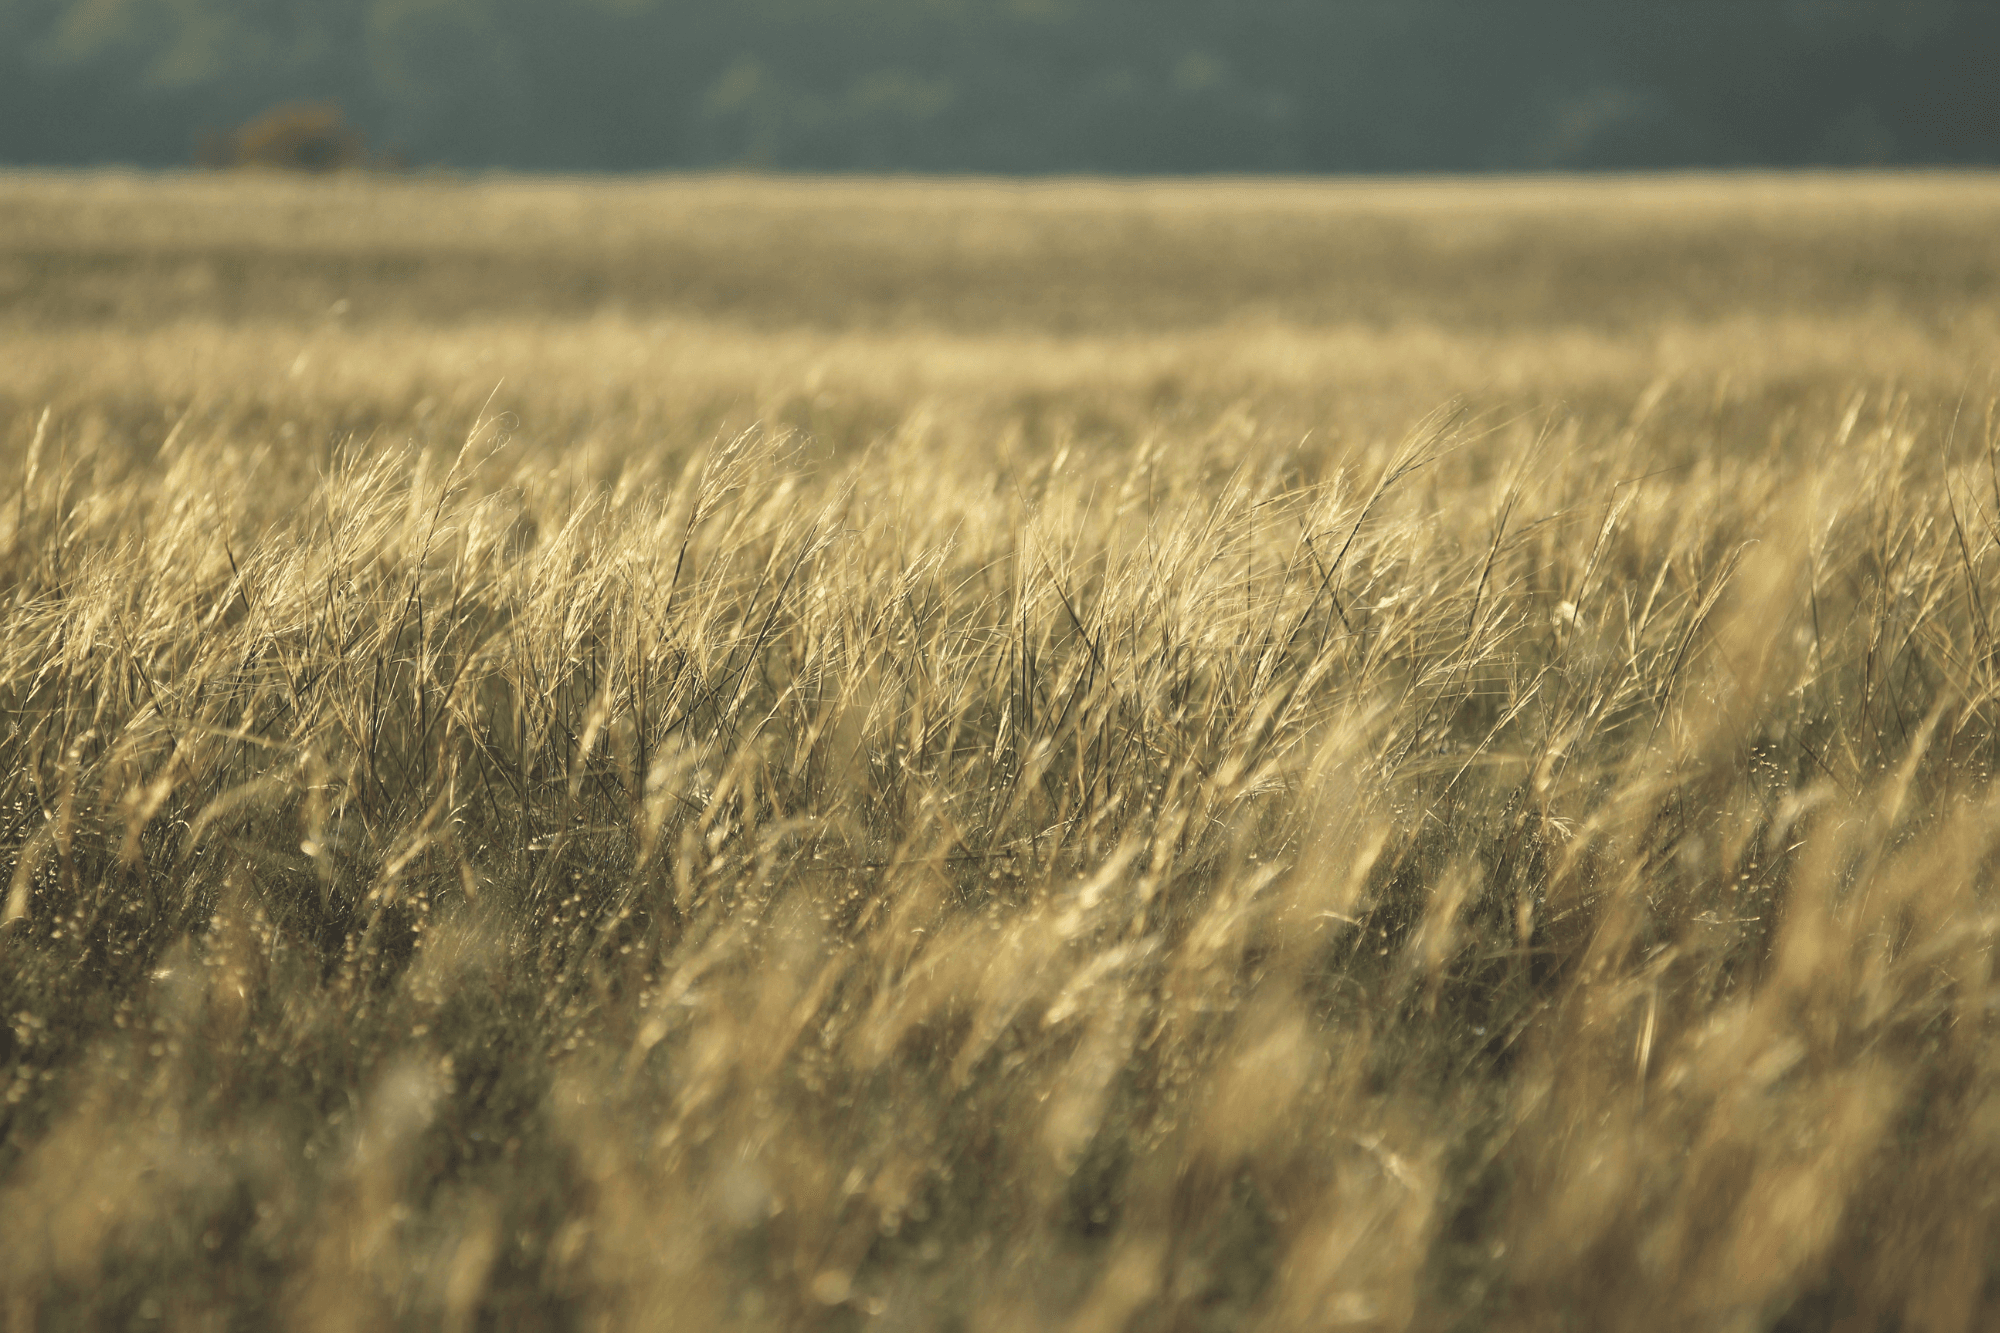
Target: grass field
[[759, 754]]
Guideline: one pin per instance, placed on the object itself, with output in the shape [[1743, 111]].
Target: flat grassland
[[788, 754]]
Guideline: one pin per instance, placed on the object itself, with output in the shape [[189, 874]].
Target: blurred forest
[[1020, 86]]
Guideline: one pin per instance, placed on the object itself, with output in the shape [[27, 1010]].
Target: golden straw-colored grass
[[754, 754]]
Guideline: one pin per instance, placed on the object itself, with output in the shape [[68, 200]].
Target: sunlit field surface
[[749, 754]]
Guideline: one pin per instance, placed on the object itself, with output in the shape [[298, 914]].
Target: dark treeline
[[1022, 85]]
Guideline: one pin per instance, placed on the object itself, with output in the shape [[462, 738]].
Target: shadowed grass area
[[1001, 817]]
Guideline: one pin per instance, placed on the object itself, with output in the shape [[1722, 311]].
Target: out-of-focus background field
[[660, 311], [788, 753]]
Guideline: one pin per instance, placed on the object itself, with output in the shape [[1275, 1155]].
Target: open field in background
[[758, 754]]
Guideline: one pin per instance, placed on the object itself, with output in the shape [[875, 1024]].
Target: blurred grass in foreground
[[956, 756]]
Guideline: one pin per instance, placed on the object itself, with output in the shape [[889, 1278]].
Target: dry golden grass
[[775, 755]]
